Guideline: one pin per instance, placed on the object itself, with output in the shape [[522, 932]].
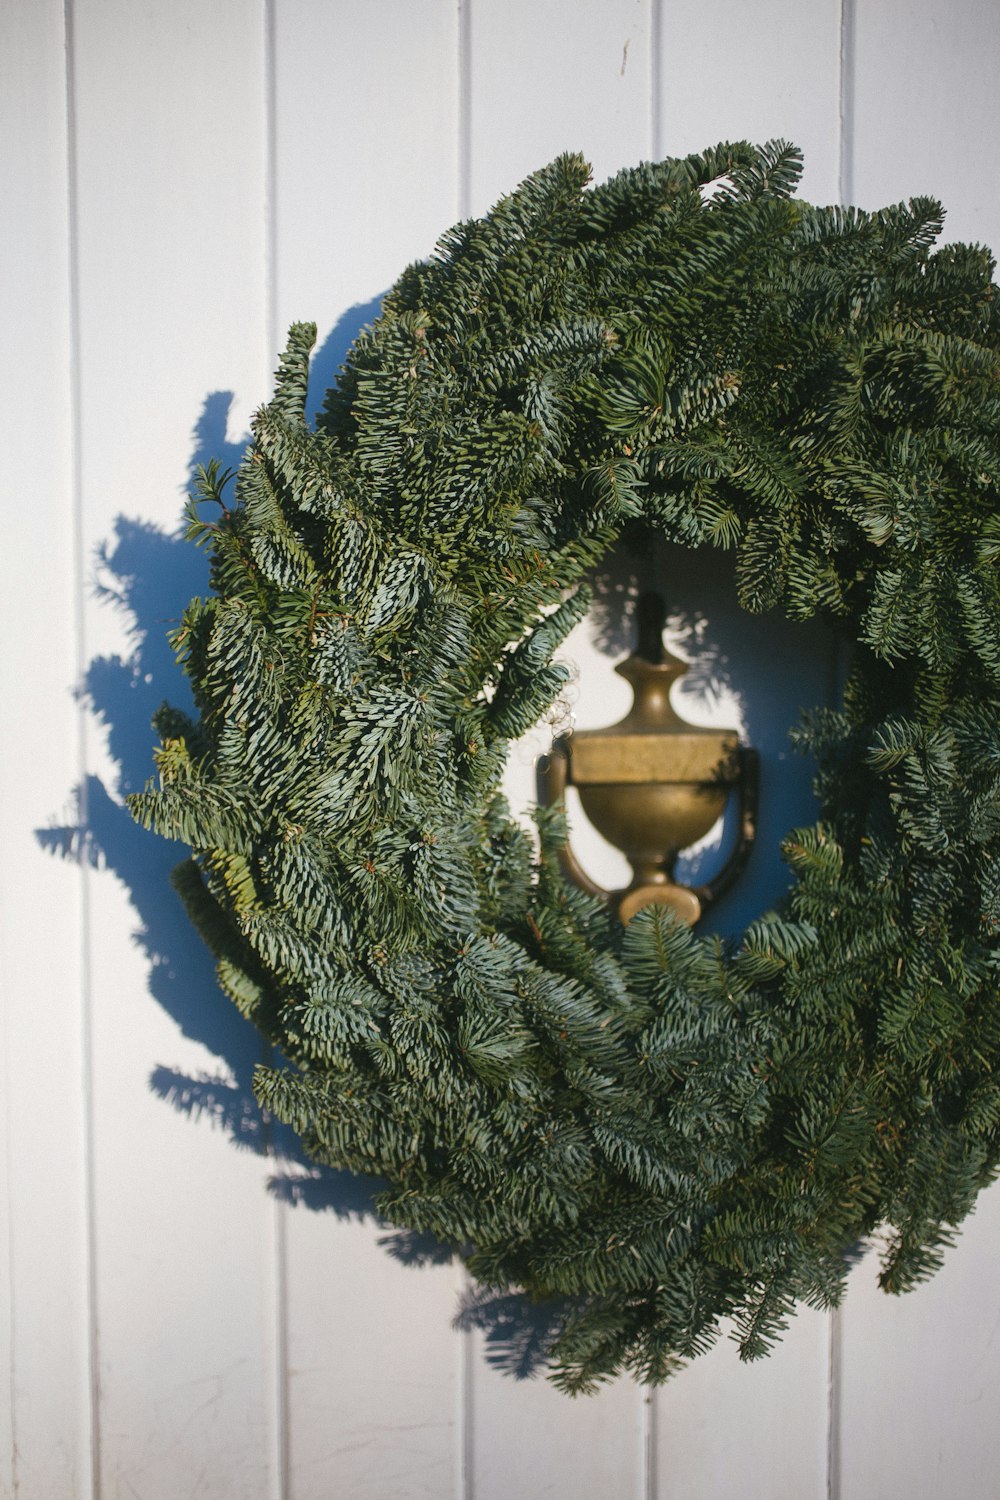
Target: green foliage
[[658, 1132]]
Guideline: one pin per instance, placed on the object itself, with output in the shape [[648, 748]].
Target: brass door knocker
[[653, 784]]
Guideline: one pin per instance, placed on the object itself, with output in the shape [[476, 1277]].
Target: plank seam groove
[[845, 185], [281, 1454], [93, 1418], [11, 1299], [845, 188], [464, 121], [463, 196], [833, 1405], [656, 79], [650, 1423], [280, 1305], [463, 1454], [272, 334]]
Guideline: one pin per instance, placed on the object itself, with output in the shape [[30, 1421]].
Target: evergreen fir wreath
[[660, 1130]]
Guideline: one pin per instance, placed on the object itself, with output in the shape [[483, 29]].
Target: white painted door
[[192, 1309]]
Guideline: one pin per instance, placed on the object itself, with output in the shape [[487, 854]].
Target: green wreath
[[656, 1129]]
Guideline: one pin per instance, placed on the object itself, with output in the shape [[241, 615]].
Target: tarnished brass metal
[[653, 784]]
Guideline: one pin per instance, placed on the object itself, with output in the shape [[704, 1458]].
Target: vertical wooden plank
[[924, 112], [730, 71], [918, 1375], [543, 79], [725, 1427], [169, 156], [45, 1386], [374, 1362], [365, 166], [529, 1439], [540, 81], [364, 112], [721, 1417], [754, 72]]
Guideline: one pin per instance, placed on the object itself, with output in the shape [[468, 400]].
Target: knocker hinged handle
[[652, 882]]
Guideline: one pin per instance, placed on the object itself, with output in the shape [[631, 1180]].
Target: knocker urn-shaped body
[[653, 784]]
